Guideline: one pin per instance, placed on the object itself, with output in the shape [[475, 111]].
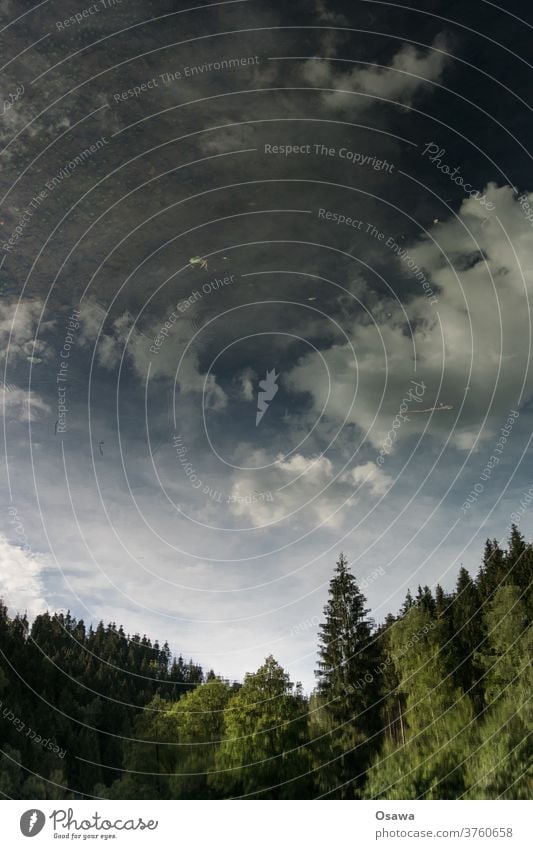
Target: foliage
[[434, 703], [265, 734], [345, 723]]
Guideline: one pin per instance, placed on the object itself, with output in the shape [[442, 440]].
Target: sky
[[344, 366]]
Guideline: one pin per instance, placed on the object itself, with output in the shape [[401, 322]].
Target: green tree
[[519, 561], [436, 721], [493, 570], [500, 766], [265, 735], [506, 625], [198, 719], [467, 629], [346, 721]]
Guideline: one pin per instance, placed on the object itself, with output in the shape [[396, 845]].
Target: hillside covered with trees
[[433, 703]]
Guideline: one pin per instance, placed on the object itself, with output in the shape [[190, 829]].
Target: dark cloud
[[291, 147]]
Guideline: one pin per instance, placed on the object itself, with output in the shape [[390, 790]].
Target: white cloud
[[124, 336], [21, 584], [304, 490], [481, 322], [247, 379], [18, 324], [92, 317], [24, 405], [370, 475], [328, 16]]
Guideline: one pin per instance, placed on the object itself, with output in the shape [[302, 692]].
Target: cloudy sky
[[356, 177]]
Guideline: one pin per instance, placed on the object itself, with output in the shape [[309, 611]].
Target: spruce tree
[[443, 610], [408, 603], [493, 570], [519, 561], [467, 635], [349, 686], [425, 600], [440, 601]]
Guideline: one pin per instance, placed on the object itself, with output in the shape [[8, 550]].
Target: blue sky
[[351, 260]]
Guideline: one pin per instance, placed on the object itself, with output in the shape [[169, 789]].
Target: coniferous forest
[[432, 703]]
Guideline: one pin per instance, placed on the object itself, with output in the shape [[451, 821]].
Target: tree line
[[433, 703]]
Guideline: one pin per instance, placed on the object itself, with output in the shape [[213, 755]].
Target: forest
[[432, 703]]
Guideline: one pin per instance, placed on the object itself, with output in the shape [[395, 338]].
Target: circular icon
[[32, 822]]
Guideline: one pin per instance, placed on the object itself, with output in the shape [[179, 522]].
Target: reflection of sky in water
[[149, 489]]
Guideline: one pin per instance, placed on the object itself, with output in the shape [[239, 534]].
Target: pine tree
[[349, 686], [440, 601], [467, 635], [519, 561], [344, 635], [408, 603], [493, 570], [425, 600], [443, 611]]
